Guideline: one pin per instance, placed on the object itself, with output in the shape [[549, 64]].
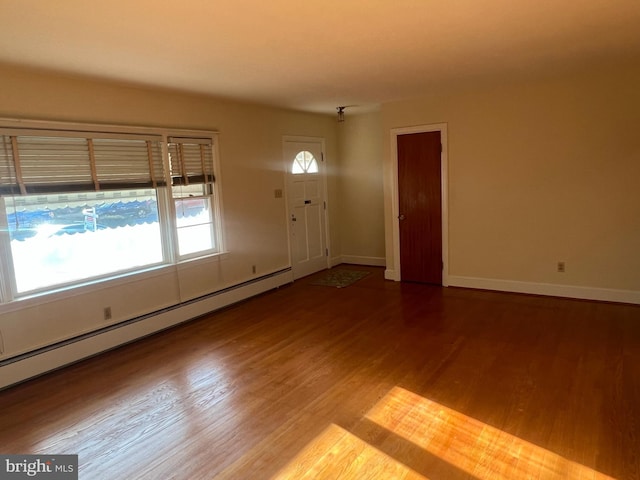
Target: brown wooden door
[[420, 207]]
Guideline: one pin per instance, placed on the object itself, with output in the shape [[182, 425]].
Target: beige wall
[[361, 208], [251, 169], [539, 172]]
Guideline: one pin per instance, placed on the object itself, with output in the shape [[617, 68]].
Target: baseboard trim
[[360, 260], [333, 261], [32, 364], [568, 291]]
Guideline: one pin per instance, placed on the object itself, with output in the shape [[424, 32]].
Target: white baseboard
[[569, 291], [47, 359], [333, 261], [360, 260]]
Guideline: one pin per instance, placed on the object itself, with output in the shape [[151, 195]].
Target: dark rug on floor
[[339, 278]]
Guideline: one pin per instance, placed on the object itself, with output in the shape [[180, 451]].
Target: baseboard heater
[[45, 359]]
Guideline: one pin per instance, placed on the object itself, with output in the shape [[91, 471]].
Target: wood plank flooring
[[376, 380]]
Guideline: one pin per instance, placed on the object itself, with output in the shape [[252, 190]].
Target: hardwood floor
[[377, 380]]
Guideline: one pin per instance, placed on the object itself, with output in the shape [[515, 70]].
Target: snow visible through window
[[59, 239]]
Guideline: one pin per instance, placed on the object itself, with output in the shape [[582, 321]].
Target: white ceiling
[[311, 54]]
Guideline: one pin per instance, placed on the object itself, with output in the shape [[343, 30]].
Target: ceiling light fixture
[[340, 113]]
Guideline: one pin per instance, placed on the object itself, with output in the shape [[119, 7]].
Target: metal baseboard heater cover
[[140, 327]]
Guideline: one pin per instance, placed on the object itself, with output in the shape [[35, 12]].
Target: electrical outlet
[[561, 267], [278, 193], [107, 313]]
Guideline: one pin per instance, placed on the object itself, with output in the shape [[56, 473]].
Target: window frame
[[165, 201], [9, 265], [213, 197], [212, 227]]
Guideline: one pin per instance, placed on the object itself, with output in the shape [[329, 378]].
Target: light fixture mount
[[340, 113]]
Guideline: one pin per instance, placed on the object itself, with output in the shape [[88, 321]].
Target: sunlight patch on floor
[[336, 453], [470, 445], [466, 445]]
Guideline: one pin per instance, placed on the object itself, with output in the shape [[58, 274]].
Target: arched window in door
[[304, 162]]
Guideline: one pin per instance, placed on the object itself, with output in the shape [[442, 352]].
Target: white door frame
[[395, 274], [323, 173]]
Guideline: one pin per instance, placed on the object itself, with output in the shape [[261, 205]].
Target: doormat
[[340, 278]]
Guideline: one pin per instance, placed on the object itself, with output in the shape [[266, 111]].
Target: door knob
[[401, 216]]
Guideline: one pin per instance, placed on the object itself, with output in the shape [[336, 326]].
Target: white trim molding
[[395, 274], [360, 260], [100, 127], [549, 289], [391, 274]]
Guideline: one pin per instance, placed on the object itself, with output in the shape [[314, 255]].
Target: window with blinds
[[52, 162], [192, 178], [191, 160], [80, 205]]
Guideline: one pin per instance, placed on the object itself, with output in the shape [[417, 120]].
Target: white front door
[[306, 206]]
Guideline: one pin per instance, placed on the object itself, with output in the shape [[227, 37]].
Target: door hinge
[[325, 205], [440, 148], [322, 156], [326, 252]]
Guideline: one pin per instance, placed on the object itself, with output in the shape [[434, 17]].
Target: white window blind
[[46, 161], [191, 160]]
